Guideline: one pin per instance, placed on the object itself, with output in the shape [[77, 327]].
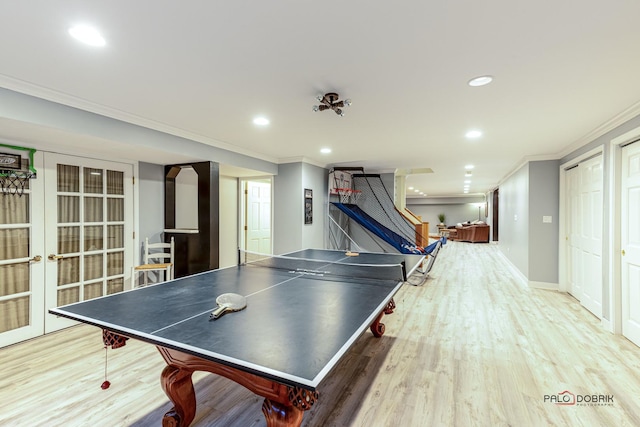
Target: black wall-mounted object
[[195, 250]]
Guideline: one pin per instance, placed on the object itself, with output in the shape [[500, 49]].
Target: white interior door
[[589, 252], [88, 229], [22, 307], [258, 218], [630, 242]]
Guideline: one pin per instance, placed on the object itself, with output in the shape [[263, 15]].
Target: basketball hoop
[[15, 173], [14, 182], [348, 195]]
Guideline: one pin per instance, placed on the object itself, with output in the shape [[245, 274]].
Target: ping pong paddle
[[228, 303]]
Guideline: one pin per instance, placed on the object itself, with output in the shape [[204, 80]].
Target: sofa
[[470, 232]]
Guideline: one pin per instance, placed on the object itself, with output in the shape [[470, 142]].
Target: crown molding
[[47, 94], [596, 133], [605, 127], [302, 159]]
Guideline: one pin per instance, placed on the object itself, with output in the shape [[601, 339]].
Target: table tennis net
[[323, 269]]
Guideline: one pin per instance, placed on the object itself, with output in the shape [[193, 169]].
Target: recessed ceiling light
[[469, 167], [416, 191], [410, 188], [480, 81], [261, 121], [87, 35], [325, 150], [473, 134], [467, 181]]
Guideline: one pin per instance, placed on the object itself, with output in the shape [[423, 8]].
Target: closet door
[[590, 227], [574, 272], [630, 241]]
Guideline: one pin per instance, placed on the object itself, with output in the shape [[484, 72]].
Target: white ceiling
[[562, 70]]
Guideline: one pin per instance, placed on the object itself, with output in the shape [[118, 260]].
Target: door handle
[[53, 257], [36, 258], [623, 253]]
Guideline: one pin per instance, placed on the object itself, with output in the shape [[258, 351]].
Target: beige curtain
[[68, 178]]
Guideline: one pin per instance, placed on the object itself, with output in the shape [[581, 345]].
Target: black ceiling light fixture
[[330, 101]]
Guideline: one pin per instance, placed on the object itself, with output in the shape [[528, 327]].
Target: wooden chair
[[156, 258]]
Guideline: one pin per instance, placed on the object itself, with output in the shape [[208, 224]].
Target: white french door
[[22, 307], [630, 241], [88, 230]]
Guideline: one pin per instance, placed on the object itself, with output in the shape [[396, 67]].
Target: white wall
[[186, 206], [454, 212], [228, 221]]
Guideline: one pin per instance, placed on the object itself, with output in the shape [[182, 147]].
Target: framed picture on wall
[[308, 206]]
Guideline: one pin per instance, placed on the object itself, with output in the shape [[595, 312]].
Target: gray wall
[[290, 232], [316, 179], [529, 243], [514, 219], [151, 195], [543, 237], [151, 216], [106, 135], [288, 209]]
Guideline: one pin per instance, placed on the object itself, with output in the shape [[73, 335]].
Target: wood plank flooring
[[472, 346]]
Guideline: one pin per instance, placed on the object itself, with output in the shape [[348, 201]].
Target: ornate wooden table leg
[[377, 328], [279, 415], [177, 384], [289, 407], [283, 405]]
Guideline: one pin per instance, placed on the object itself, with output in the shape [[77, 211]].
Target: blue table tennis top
[[293, 333]]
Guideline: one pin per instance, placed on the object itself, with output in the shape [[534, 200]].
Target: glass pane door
[[21, 265], [89, 256]]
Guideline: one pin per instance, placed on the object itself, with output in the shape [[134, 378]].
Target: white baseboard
[[607, 325], [517, 273], [525, 281], [544, 285]]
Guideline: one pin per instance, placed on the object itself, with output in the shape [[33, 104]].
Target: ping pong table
[[304, 311]]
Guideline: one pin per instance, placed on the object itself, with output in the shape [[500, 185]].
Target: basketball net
[[14, 182], [348, 195]]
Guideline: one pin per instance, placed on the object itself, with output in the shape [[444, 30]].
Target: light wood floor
[[470, 347]]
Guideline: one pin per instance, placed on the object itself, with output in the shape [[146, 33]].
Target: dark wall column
[[196, 250]]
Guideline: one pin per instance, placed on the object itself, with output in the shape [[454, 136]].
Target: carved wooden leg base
[[177, 385], [283, 405], [279, 415], [378, 328]]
